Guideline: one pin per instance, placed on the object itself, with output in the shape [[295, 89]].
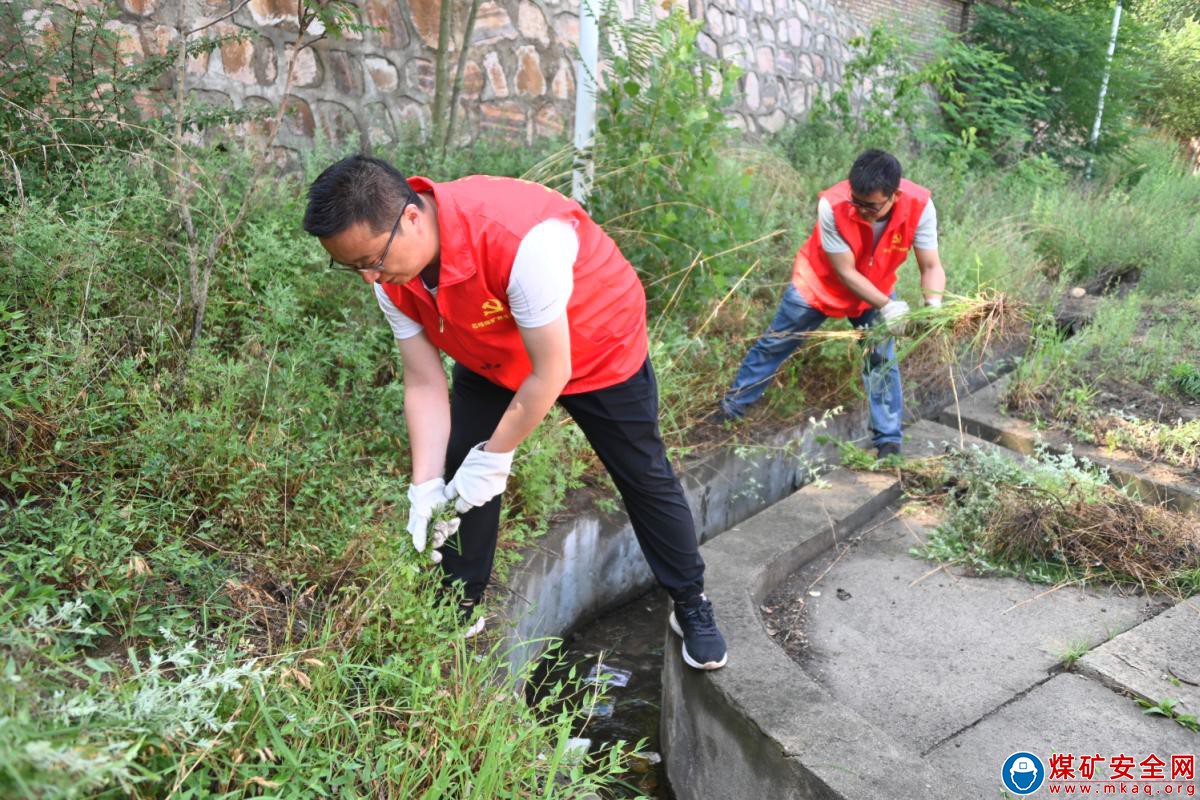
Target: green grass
[[1138, 348]]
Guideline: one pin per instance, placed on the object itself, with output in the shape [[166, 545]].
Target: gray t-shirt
[[832, 241]]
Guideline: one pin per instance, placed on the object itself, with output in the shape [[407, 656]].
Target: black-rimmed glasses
[[334, 264], [863, 205]]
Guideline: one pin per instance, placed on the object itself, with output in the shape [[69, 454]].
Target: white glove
[[892, 315], [424, 499], [481, 477], [934, 301]]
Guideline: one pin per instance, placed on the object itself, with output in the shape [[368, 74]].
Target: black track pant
[[621, 423]]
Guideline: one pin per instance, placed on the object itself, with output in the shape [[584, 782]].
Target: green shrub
[[1059, 50]]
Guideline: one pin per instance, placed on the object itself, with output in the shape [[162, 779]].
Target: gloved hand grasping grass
[[428, 509], [444, 524]]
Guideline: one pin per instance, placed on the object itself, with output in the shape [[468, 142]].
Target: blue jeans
[[795, 317]]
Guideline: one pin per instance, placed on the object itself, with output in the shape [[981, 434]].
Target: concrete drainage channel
[[582, 569], [916, 687]]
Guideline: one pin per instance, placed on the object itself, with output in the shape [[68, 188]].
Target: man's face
[[873, 206], [391, 256]]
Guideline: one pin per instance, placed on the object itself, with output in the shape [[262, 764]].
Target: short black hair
[[357, 189], [875, 171]]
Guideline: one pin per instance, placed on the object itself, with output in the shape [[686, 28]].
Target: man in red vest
[[536, 305], [847, 268]]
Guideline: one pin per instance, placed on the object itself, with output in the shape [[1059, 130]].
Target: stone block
[[298, 118], [506, 117], [785, 64], [338, 122], [750, 93], [236, 60], [804, 66], [795, 31], [773, 122], [531, 81], [139, 8], [764, 59], [548, 122], [734, 53], [531, 22], [766, 31], [492, 24], [257, 127], [158, 39], [386, 15], [266, 66], [128, 41], [307, 72], [412, 116], [418, 77], [197, 65], [384, 75], [707, 44], [563, 84], [497, 81], [566, 28], [40, 20], [716, 21], [473, 80], [425, 15], [346, 71], [273, 12], [381, 126]]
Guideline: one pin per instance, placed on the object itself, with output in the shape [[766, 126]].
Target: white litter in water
[[609, 676], [814, 594]]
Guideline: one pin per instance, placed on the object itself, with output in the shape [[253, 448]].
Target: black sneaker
[[721, 416], [887, 449], [472, 618], [703, 644]]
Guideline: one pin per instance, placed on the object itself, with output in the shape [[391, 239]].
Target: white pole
[[585, 100], [1112, 46]]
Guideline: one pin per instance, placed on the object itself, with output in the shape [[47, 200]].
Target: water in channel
[[628, 643]]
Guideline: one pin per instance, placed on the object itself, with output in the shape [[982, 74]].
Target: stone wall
[[922, 20], [519, 80]]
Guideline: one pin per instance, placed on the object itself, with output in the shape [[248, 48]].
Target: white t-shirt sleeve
[[403, 327], [926, 237], [831, 240], [543, 273]]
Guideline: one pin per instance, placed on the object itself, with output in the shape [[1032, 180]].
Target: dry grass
[[1112, 535]]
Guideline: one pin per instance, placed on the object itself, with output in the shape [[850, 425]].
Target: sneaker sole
[[687, 659], [475, 628]]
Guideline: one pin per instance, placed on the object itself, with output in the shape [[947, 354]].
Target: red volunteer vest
[[481, 221], [815, 278]]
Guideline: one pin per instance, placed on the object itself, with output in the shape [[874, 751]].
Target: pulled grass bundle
[[1108, 537], [977, 321]]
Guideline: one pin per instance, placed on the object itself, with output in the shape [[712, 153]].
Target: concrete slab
[[925, 653], [761, 727], [980, 415], [1068, 714], [1157, 660]]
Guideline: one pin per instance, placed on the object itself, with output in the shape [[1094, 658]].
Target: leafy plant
[[1166, 708], [1059, 50]]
